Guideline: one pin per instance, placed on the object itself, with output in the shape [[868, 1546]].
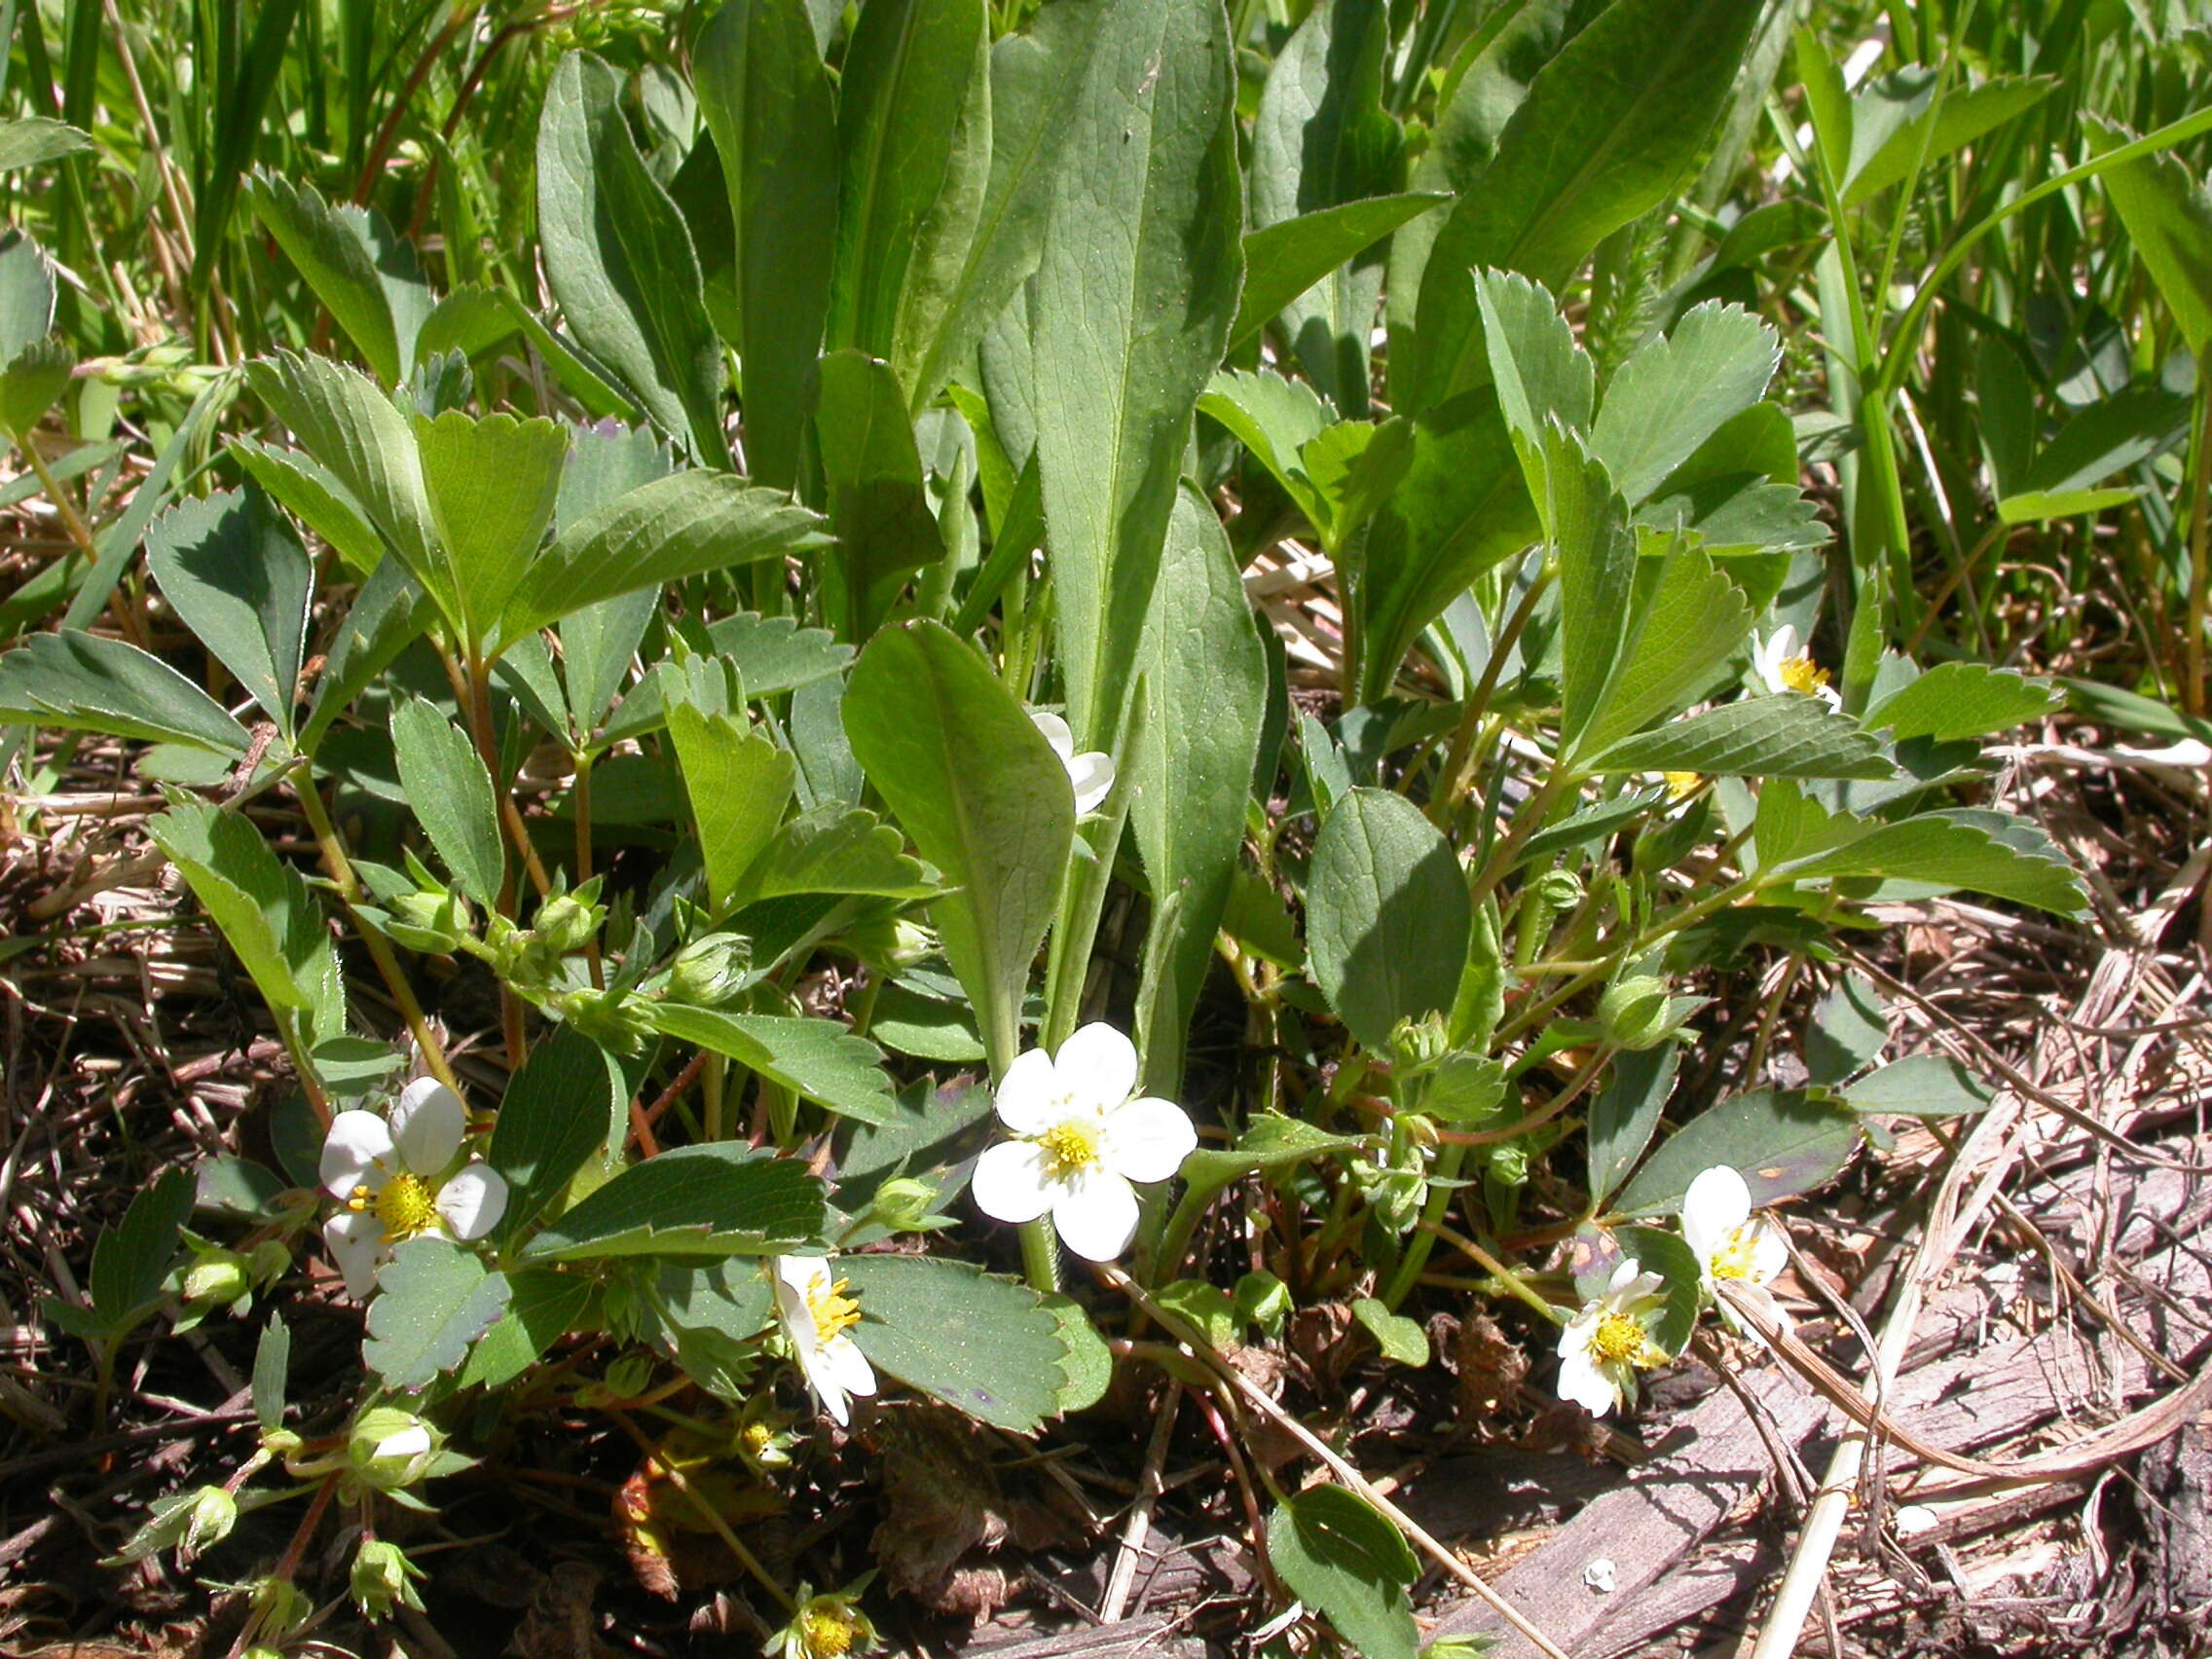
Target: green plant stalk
[[1457, 766], [1041, 1255], [1450, 1156], [1490, 1264], [1083, 899], [2199, 535]]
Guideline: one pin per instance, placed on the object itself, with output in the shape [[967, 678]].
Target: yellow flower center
[[1617, 1338], [405, 1207], [756, 1438], [834, 1314], [1681, 785], [827, 1631], [1800, 674], [1070, 1148], [1736, 1258]]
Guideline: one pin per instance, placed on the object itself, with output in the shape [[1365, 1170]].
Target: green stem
[[2199, 538], [1041, 1255]]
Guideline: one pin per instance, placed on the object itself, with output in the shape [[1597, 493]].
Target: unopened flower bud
[[712, 970], [1263, 1300], [390, 1448], [1418, 1045], [218, 1278], [1559, 889], [271, 1260], [902, 1204], [1633, 1012], [568, 922], [384, 1578], [208, 1522], [431, 922], [278, 1607]]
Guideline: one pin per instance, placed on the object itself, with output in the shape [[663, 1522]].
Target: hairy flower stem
[[2199, 538], [1041, 1255]]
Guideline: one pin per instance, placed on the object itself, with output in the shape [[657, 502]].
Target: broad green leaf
[[1693, 623], [885, 523], [766, 99], [2168, 215], [974, 782], [1681, 1295], [1534, 362], [1351, 468], [683, 525], [836, 849], [1680, 388], [1921, 1085], [925, 1027], [1962, 699], [33, 382], [433, 1298], [721, 1200], [914, 130], [87, 682], [264, 908], [451, 793], [1322, 139], [1850, 1027], [1897, 126], [1983, 851], [1274, 419], [1784, 736], [26, 294], [30, 141], [1269, 1142], [311, 493], [1387, 915], [543, 1306], [819, 1058], [352, 432], [331, 249], [390, 611], [1608, 128], [1284, 260], [490, 485], [1087, 1369], [1587, 523], [132, 1258], [1460, 508], [236, 577], [985, 1345], [1402, 1339], [1625, 1112], [2109, 436], [470, 321], [1202, 652], [1135, 294], [620, 260], [1336, 1552], [554, 1116], [774, 655], [1783, 1143], [739, 782]]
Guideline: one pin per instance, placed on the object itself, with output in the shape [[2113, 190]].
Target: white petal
[[428, 1122], [407, 1443], [1582, 1382], [474, 1200], [1830, 696], [842, 1358], [1090, 775], [1028, 1098], [1769, 1254], [1010, 1183], [1097, 1067], [804, 1277], [1716, 1204], [822, 1378], [1624, 1276], [1147, 1139], [791, 1311], [1096, 1214], [355, 1241], [1055, 730], [357, 1152]]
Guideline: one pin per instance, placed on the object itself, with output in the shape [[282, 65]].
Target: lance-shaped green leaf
[[1983, 851], [1036, 77], [236, 574], [1340, 1557], [1905, 123], [719, 1199], [556, 1115], [390, 611], [974, 782], [1608, 128], [886, 526], [914, 130], [491, 484], [739, 782], [1539, 369], [1956, 700], [1587, 523], [433, 1298], [1387, 915], [1135, 293], [1624, 1114], [1678, 390], [1284, 260], [1322, 139], [620, 260], [766, 99], [1193, 776], [1784, 736], [445, 782], [2168, 215], [1686, 629], [84, 682], [984, 1345], [818, 1058], [132, 1258], [264, 908], [31, 141], [311, 493], [355, 266], [683, 525]]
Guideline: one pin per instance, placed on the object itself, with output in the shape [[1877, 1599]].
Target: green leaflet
[[1387, 915], [239, 579]]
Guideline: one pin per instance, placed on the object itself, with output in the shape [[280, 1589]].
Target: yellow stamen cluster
[[1681, 785], [406, 1206], [1617, 1338], [1071, 1147], [833, 1312], [1737, 1259], [827, 1630], [1802, 674]]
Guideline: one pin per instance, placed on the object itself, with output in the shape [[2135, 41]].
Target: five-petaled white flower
[[1782, 667], [1730, 1243], [1091, 774], [1605, 1343], [393, 1176], [1080, 1140], [816, 1313]]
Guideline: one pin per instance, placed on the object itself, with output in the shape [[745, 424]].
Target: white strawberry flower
[[1782, 667], [395, 1176], [1609, 1341], [1730, 1243], [815, 1313], [1080, 1141], [1091, 774]]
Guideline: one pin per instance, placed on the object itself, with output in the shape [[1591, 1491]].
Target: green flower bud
[[1421, 1045], [218, 1278], [384, 1578], [1559, 889], [207, 1523], [902, 1205], [390, 1448], [1263, 1300], [281, 1442], [271, 1260], [1633, 1012], [570, 920], [278, 1607], [429, 921], [605, 1018], [712, 970]]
